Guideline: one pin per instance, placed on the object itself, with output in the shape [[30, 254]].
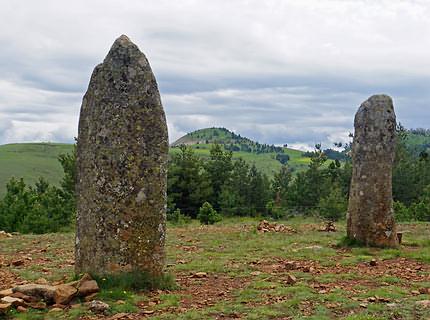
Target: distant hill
[[211, 135], [31, 161], [418, 140], [267, 158]]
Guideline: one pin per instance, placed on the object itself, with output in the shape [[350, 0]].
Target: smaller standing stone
[[370, 217]]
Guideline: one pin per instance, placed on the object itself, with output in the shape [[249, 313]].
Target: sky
[[285, 71]]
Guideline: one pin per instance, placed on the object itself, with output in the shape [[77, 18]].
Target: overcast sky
[[286, 71]]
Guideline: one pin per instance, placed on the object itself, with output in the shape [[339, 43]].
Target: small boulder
[[37, 305], [13, 301], [24, 297], [64, 294], [91, 297], [21, 309], [291, 279], [423, 303], [18, 262], [37, 290], [5, 307], [5, 293], [97, 306], [88, 287], [424, 291], [41, 281]]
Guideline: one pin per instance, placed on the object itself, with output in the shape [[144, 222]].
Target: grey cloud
[[276, 71]]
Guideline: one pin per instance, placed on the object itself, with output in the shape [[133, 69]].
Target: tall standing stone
[[370, 212], [122, 158]]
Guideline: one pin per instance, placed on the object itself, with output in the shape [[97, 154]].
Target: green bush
[[274, 211], [403, 213], [41, 208], [334, 206], [208, 215], [176, 217]]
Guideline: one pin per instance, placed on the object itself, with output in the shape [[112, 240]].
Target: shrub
[[334, 206], [403, 213], [176, 217], [208, 215], [274, 211]]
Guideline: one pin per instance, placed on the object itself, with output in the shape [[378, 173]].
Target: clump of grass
[[351, 243], [136, 281]]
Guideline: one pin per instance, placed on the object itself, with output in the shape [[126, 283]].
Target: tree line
[[222, 186]]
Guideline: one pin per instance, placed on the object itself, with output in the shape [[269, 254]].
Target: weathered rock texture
[[122, 158], [370, 212]]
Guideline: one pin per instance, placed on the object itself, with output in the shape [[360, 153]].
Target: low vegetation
[[230, 270]]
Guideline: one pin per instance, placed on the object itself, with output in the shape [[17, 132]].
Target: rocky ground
[[290, 270]]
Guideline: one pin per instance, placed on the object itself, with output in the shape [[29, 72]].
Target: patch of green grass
[[136, 281]]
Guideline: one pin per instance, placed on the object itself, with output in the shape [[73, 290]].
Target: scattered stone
[[308, 269], [415, 292], [290, 265], [119, 302], [41, 281], [88, 287], [200, 275], [37, 290], [18, 262], [255, 273], [373, 262], [329, 226], [424, 291], [55, 310], [118, 316], [64, 294], [37, 305], [21, 309], [266, 226], [4, 234], [5, 293], [5, 307], [291, 279], [370, 218], [91, 297], [98, 306], [13, 301], [122, 154], [423, 303], [24, 297]]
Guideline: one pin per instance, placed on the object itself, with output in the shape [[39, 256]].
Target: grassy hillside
[[211, 135], [265, 162], [34, 160], [30, 161]]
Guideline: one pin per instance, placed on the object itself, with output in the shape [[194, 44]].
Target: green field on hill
[[265, 162], [31, 161]]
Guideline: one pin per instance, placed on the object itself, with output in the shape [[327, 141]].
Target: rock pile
[[266, 226], [328, 227], [4, 234], [40, 296]]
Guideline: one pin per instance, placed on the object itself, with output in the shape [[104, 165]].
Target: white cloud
[[275, 70]]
